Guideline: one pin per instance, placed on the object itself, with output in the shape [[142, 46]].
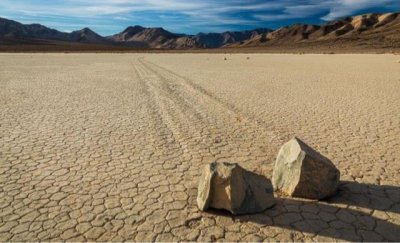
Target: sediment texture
[[111, 146]]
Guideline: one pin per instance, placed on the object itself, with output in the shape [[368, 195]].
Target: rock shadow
[[375, 197], [350, 215]]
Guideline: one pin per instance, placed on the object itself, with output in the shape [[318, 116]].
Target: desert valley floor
[[111, 146]]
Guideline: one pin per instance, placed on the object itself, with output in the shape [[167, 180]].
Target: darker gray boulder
[[300, 171]]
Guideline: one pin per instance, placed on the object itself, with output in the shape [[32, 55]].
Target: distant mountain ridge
[[133, 36], [369, 29], [13, 30], [148, 37], [88, 36], [215, 40], [375, 28], [160, 38]]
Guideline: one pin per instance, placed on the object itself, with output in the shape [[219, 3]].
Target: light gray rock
[[229, 186], [300, 171]]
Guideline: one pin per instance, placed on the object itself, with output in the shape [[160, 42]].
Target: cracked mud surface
[[109, 146]]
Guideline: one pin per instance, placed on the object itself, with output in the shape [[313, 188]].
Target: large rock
[[300, 171], [229, 186]]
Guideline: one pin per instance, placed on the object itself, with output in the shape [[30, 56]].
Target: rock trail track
[[111, 150], [184, 109]]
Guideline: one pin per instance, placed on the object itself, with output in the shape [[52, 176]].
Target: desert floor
[[111, 146]]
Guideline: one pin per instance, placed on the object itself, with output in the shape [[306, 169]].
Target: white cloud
[[197, 12], [341, 8], [121, 18], [288, 13], [335, 8]]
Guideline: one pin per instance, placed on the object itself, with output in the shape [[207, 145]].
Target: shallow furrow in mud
[[204, 125], [187, 135], [211, 98]]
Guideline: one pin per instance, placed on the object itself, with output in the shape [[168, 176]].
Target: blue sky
[[111, 16]]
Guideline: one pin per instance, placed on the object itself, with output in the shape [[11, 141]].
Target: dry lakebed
[[109, 147]]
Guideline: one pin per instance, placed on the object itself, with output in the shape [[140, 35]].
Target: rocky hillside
[[145, 37], [88, 36], [368, 28], [15, 30], [160, 38], [12, 30], [215, 40]]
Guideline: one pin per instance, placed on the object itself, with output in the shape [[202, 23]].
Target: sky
[[108, 17]]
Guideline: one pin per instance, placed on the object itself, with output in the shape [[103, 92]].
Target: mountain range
[[368, 30]]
